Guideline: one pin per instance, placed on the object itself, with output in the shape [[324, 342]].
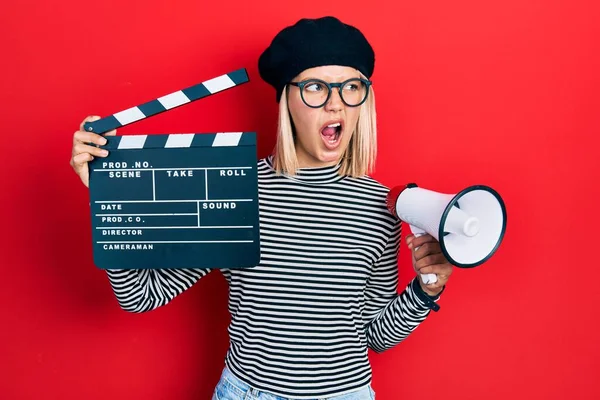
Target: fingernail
[[104, 141], [104, 152]]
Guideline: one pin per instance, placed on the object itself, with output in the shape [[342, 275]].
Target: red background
[[503, 93]]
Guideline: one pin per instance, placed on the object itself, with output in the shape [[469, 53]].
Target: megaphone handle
[[427, 278]]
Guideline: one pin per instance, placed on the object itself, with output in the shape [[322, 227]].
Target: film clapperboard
[[175, 200]]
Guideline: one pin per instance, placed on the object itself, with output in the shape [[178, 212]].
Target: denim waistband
[[241, 388]]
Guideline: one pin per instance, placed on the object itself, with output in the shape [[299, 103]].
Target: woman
[[325, 290]]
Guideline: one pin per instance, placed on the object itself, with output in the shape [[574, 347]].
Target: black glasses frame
[[330, 86]]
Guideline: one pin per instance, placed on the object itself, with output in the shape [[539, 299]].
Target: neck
[[315, 174]]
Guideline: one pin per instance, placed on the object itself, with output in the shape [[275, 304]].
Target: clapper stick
[[175, 200], [168, 102]]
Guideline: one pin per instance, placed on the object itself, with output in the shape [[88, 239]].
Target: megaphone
[[469, 225]]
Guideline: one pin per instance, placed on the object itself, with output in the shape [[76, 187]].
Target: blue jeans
[[231, 388]]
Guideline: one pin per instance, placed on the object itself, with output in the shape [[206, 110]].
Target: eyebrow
[[323, 79]]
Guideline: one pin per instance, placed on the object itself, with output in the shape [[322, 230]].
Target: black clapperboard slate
[[175, 200]]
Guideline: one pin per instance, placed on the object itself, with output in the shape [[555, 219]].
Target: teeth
[[334, 125]]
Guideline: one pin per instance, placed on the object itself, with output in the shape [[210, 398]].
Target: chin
[[330, 157]]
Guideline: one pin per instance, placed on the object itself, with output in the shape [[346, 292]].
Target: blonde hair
[[358, 158]]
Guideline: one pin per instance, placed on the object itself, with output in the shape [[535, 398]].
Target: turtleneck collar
[[312, 175]]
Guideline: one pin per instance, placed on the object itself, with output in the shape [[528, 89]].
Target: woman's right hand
[[82, 152]]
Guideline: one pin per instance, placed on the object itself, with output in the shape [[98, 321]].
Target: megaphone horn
[[469, 225]]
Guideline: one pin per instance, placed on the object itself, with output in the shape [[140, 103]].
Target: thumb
[[89, 118], [85, 175]]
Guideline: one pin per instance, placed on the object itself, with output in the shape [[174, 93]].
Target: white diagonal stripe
[[179, 140], [132, 142], [227, 139], [219, 83], [173, 100], [130, 115]]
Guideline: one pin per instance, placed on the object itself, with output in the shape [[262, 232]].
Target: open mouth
[[331, 134]]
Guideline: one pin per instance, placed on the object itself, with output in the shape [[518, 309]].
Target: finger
[[80, 165], [427, 249], [88, 137], [439, 284], [442, 270], [80, 148], [89, 118], [81, 159], [432, 259], [420, 240]]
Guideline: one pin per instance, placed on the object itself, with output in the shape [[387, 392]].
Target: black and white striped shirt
[[324, 292]]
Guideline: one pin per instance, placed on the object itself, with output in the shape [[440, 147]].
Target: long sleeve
[[390, 316], [140, 290]]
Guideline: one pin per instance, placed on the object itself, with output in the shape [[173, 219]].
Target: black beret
[[312, 43]]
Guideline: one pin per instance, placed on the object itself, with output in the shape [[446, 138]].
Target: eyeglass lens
[[315, 93]]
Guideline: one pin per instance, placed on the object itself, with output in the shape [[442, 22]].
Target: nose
[[335, 102]]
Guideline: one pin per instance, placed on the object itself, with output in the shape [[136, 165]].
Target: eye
[[352, 86], [314, 87]]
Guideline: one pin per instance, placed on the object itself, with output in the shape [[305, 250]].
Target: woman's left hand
[[429, 259]]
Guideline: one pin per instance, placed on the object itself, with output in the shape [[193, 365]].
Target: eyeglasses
[[315, 93]]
